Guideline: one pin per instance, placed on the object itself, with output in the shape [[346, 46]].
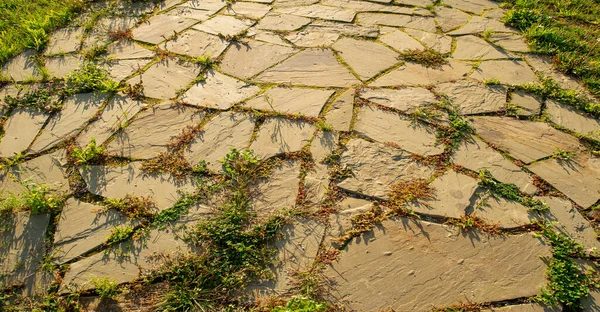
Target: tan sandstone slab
[[474, 98], [267, 36], [449, 18], [77, 110], [65, 40], [527, 104], [282, 22], [525, 140], [369, 31], [544, 65], [160, 27], [341, 222], [473, 6], [397, 20], [20, 129], [339, 115], [277, 192], [389, 127], [21, 67], [414, 74], [364, 6], [504, 213], [311, 67], [304, 101], [61, 66], [196, 43], [323, 144], [246, 59], [572, 119], [474, 48], [376, 167], [224, 25], [472, 265], [121, 69], [126, 49], [405, 99], [218, 91], [437, 42], [366, 58], [48, 170], [151, 131], [164, 79], [320, 11], [223, 132], [312, 39], [453, 193], [510, 42], [198, 9], [578, 178], [530, 307], [248, 9], [480, 25], [401, 41], [511, 73], [280, 135]]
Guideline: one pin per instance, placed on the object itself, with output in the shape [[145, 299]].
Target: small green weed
[[119, 234], [302, 304], [492, 81], [89, 78], [205, 61], [456, 130], [90, 154], [563, 155], [105, 287], [40, 99], [135, 207], [36, 198], [471, 222], [510, 191], [427, 57]]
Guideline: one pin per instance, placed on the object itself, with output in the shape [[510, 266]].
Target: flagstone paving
[[330, 94]]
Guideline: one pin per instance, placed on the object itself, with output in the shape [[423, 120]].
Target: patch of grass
[[91, 77], [135, 207], [105, 287], [561, 154], [173, 163], [427, 57], [205, 61], [458, 128], [90, 154], [302, 304], [492, 81], [510, 191], [402, 193], [119, 234], [471, 222], [39, 99], [39, 199]]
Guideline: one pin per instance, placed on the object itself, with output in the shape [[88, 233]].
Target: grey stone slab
[[339, 115], [474, 48], [321, 11], [65, 40], [323, 144], [414, 74], [544, 66], [366, 58], [527, 104], [405, 99], [224, 25], [512, 73], [528, 307], [280, 135], [473, 98], [304, 101], [218, 91], [572, 119], [397, 20], [160, 27], [20, 129], [121, 69], [21, 67], [510, 42], [364, 6], [61, 66], [48, 170], [163, 80], [196, 43], [247, 59], [282, 22], [341, 222]]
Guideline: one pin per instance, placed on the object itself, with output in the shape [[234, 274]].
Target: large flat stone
[[339, 115], [544, 65], [311, 67], [473, 98], [572, 119], [425, 258], [375, 168], [198, 9], [277, 192], [61, 66], [359, 55], [164, 79], [578, 178], [223, 132], [126, 49], [480, 25], [369, 31], [510, 42], [405, 100], [449, 18], [527, 104], [401, 41], [304, 101], [280, 135], [414, 74], [48, 170], [504, 213], [76, 112], [474, 48], [248, 9], [196, 43], [437, 42], [20, 129], [453, 193], [323, 144], [121, 69], [224, 25], [320, 11], [397, 20], [218, 91], [150, 133], [473, 6], [389, 127], [312, 39], [21, 67], [282, 22], [160, 27], [525, 140], [246, 59], [512, 73], [364, 6], [65, 40]]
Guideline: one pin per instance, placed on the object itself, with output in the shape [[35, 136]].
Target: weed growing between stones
[[510, 192], [36, 198], [40, 99], [427, 57], [456, 130], [471, 222], [90, 77], [91, 154], [105, 287], [563, 155], [300, 303], [135, 207], [171, 162], [119, 234]]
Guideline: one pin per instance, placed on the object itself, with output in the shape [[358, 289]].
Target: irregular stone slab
[[225, 131], [246, 59], [323, 144], [277, 192], [126, 49], [311, 67], [321, 11], [21, 67], [440, 43], [196, 43], [578, 178], [510, 42], [369, 31], [118, 182], [198, 9], [151, 131], [160, 27], [401, 41], [525, 140], [473, 6], [282, 22], [77, 110], [388, 127], [218, 91], [339, 115], [530, 307], [414, 74], [280, 135], [363, 6], [409, 2], [527, 104], [287, 3], [224, 25], [476, 155], [100, 35], [572, 119], [267, 36], [20, 129], [121, 69], [405, 100], [453, 194], [475, 48], [592, 302], [376, 167], [359, 55], [249, 9], [397, 20], [474, 98], [304, 101], [543, 65], [312, 39], [48, 170], [449, 18], [341, 222], [61, 66], [296, 251], [479, 25], [401, 252], [116, 114], [82, 222], [65, 40], [512, 73], [504, 213], [164, 79], [22, 251]]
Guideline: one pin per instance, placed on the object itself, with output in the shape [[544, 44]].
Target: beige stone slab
[[277, 192], [151, 131], [223, 132], [247, 59], [21, 127], [267, 36], [61, 66], [529, 307], [196, 43], [389, 127], [543, 65], [164, 79], [510, 42], [280, 135], [481, 24], [437, 42], [48, 170], [116, 114], [65, 40], [473, 98], [453, 193], [321, 11], [21, 67], [425, 258], [401, 41], [339, 115], [572, 119], [376, 167], [511, 72], [369, 31], [397, 20], [287, 3], [476, 155], [449, 18], [160, 27], [248, 9], [311, 67], [578, 178], [364, 6], [525, 140], [473, 6], [323, 144], [218, 91], [304, 101], [197, 9], [474, 48], [412, 74], [224, 25], [341, 222], [409, 2], [282, 22], [528, 104], [504, 213], [316, 184], [405, 99], [312, 39], [126, 49], [121, 69], [118, 182], [366, 58], [77, 111]]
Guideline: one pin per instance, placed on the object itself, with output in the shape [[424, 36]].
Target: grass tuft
[[427, 57]]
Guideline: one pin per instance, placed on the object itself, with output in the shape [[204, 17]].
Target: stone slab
[[527, 104], [65, 40], [453, 193], [437, 42], [218, 91], [282, 22], [474, 48], [224, 25], [397, 20], [248, 9], [320, 11], [164, 79], [339, 115], [247, 59], [480, 25], [196, 43], [359, 55], [414, 74], [280, 135], [277, 192], [20, 129], [401, 41], [449, 18], [303, 101], [368, 31], [126, 49], [21, 67], [405, 99], [572, 119], [473, 98], [512, 73], [160, 27], [61, 66]]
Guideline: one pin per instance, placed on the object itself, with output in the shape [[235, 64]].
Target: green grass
[[27, 24], [568, 30]]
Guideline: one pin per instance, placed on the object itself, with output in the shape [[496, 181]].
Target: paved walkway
[[326, 80]]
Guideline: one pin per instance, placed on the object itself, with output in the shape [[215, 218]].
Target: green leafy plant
[[105, 287], [563, 155], [427, 57], [510, 192], [135, 207], [119, 234], [89, 154], [302, 304], [39, 199], [91, 77]]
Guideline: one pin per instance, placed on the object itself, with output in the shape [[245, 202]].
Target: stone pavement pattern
[[325, 78]]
